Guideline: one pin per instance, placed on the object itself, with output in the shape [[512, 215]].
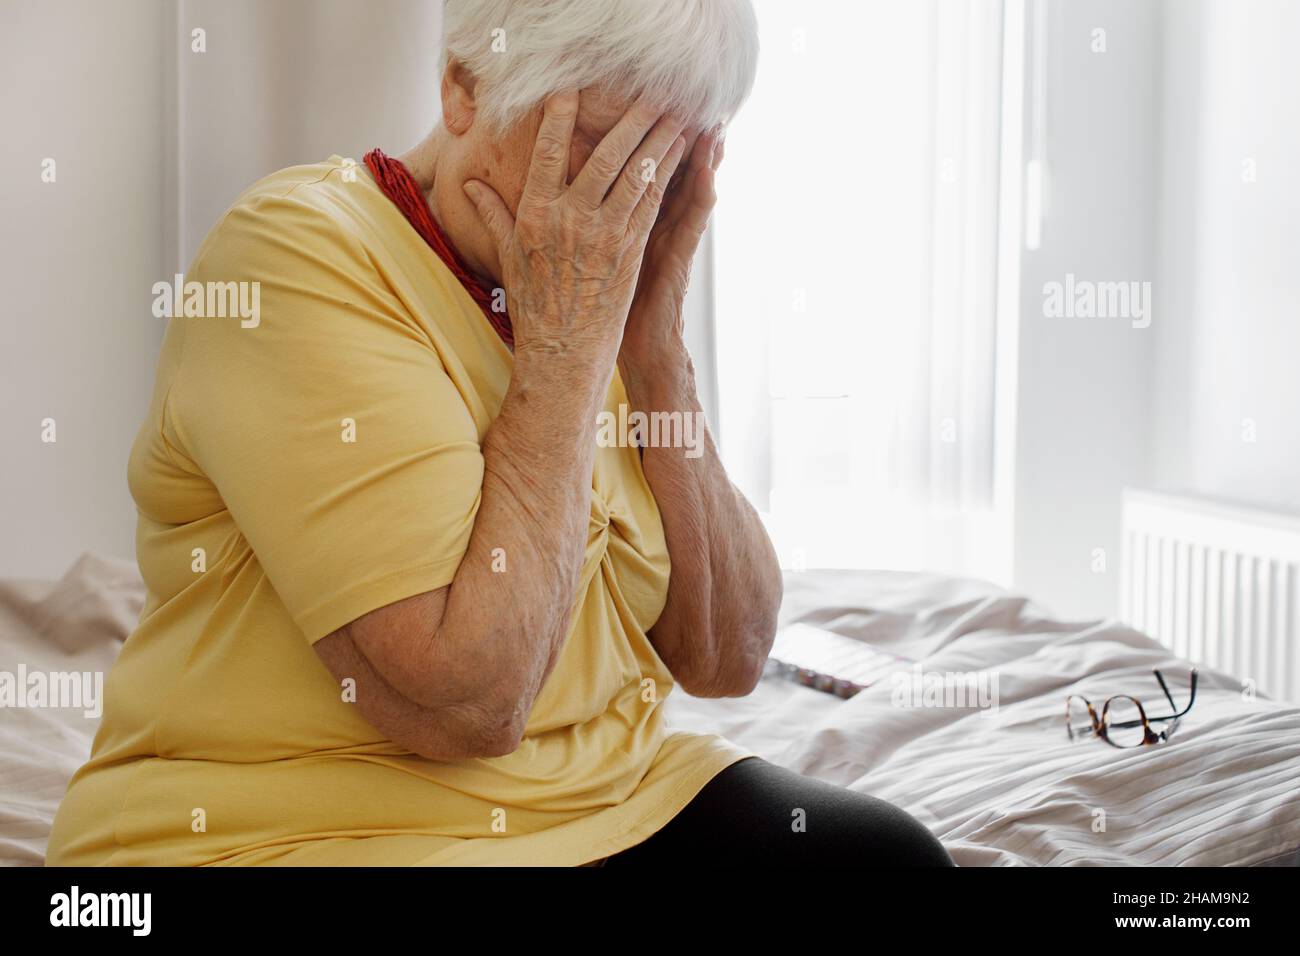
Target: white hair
[[696, 57]]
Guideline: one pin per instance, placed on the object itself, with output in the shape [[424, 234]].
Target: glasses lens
[[1078, 719], [1124, 723]]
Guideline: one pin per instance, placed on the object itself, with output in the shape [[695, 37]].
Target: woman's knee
[[899, 839], [850, 828]]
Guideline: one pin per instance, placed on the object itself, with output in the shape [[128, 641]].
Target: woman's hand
[[571, 255], [654, 325]]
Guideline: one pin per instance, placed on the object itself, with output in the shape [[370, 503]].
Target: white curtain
[[855, 284]]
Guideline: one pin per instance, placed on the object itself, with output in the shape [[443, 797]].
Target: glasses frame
[[1101, 724]]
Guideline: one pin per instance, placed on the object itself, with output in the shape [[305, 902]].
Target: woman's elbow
[[736, 677], [467, 732], [742, 665], [500, 738]]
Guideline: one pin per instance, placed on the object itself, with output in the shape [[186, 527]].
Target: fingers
[[704, 165], [643, 216], [702, 154], [695, 219], [609, 158], [549, 168], [644, 168], [492, 212]]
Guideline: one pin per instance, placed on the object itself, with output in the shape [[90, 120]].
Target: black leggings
[[748, 815]]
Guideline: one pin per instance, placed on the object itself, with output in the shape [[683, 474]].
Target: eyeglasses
[[1123, 721]]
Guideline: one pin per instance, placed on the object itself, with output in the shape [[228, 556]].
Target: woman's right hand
[[571, 255]]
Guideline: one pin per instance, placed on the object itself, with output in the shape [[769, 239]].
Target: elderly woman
[[403, 607]]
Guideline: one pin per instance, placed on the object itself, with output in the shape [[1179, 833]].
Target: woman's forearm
[[453, 673], [533, 523], [507, 610], [719, 620]]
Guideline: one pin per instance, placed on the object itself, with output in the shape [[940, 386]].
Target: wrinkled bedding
[[1000, 785], [76, 624], [1005, 785]]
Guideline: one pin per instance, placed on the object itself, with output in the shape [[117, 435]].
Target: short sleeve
[[327, 423]]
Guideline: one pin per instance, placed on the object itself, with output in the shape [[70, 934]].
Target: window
[[855, 257]]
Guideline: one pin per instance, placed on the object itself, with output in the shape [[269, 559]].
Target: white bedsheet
[[74, 625], [1002, 789], [1010, 787]]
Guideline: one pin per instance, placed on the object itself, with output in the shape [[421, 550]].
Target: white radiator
[[1217, 584]]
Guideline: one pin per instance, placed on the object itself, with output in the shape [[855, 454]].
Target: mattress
[[999, 785]]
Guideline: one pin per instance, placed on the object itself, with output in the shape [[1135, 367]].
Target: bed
[[999, 785]]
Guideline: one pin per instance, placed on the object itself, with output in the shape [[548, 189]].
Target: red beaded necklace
[[397, 183]]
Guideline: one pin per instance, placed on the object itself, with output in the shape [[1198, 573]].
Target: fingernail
[[471, 189]]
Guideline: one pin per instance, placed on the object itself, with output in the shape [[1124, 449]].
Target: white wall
[[1150, 149], [1229, 346], [79, 83], [1084, 384], [293, 82], [152, 143]]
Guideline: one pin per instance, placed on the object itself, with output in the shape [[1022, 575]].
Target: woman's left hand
[[654, 323]]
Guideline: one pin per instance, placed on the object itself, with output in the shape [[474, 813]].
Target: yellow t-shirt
[[305, 463]]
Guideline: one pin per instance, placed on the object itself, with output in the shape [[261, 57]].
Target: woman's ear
[[458, 103]]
